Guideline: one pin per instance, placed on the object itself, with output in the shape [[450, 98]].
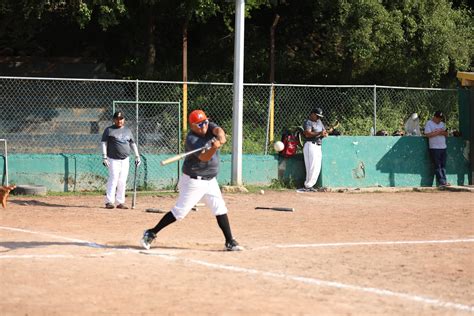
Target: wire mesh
[[68, 116], [156, 128]]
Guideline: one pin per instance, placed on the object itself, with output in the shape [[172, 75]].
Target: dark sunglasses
[[201, 124]]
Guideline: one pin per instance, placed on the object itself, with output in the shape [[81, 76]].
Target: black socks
[[165, 221], [223, 222]]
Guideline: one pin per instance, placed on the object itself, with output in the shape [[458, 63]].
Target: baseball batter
[[314, 131], [117, 142], [199, 180]]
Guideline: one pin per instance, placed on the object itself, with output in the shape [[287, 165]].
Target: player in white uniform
[[199, 180], [435, 130], [314, 131]]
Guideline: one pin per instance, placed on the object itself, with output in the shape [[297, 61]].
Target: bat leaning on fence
[[134, 198]]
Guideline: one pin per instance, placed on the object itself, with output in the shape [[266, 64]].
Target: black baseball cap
[[317, 111], [439, 114], [118, 115]]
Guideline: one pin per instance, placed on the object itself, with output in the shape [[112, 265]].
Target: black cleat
[[147, 239], [233, 245]]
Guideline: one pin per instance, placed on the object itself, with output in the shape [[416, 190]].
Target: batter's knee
[[220, 211], [179, 213]]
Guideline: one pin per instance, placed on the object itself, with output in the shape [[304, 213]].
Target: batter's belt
[[201, 178]]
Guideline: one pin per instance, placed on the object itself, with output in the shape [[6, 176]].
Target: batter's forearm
[[207, 155]]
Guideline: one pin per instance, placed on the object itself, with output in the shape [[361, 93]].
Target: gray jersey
[[314, 127], [192, 166], [118, 141]]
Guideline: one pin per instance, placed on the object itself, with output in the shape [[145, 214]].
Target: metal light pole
[[236, 178]]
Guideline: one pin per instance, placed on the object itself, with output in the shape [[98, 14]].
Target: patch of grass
[[289, 183]]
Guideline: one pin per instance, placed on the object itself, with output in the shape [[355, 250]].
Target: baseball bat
[[155, 210], [181, 156], [283, 209], [134, 198]]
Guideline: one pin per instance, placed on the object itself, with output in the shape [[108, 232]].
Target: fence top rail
[[146, 102], [415, 88], [227, 83], [66, 79]]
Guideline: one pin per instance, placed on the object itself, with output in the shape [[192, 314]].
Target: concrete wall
[[347, 162], [80, 172], [365, 161]]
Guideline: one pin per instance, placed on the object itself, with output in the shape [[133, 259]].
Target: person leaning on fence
[[117, 140], [314, 132], [435, 130]]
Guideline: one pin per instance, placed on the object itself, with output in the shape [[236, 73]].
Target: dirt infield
[[338, 253]]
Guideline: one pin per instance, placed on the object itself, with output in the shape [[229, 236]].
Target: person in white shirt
[[435, 130]]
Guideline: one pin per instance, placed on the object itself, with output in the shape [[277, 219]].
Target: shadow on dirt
[[38, 203]]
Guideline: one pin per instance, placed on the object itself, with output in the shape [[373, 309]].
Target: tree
[[23, 21], [364, 42], [438, 39]]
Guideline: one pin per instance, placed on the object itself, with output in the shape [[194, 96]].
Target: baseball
[[262, 192], [278, 146]]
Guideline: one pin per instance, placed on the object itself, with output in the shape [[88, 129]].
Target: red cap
[[197, 116]]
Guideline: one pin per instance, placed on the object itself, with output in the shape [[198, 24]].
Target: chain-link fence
[[43, 115]]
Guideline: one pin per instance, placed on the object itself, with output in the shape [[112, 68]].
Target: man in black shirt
[[199, 180]]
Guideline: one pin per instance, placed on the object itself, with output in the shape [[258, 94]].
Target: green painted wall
[[389, 161], [63, 173], [465, 115], [359, 161], [365, 161]]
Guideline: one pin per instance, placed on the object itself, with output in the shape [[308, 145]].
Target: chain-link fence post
[[374, 130]]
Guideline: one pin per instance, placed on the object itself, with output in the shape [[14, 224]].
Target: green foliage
[[283, 183], [401, 42]]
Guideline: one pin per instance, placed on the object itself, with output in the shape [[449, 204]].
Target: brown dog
[[5, 192]]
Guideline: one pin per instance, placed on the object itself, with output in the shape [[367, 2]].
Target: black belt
[[201, 178]]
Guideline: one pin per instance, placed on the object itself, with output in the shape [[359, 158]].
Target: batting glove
[[137, 161], [105, 162], [209, 143]]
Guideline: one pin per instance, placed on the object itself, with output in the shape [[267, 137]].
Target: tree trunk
[[185, 76], [347, 68], [185, 51], [150, 53], [272, 48]]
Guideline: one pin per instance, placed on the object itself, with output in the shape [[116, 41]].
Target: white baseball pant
[[190, 193], [116, 184], [312, 160]]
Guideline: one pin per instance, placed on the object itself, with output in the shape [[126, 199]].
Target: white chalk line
[[375, 243], [86, 243], [306, 280], [338, 285], [54, 256]]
